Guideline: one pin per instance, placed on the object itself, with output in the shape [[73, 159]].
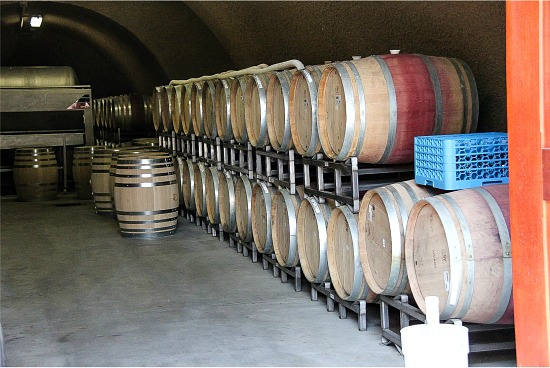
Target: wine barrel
[[373, 107], [177, 108], [186, 119], [99, 178], [197, 109], [167, 108], [82, 170], [278, 116], [208, 101], [148, 112], [313, 218], [284, 230], [146, 195], [383, 220], [458, 248], [212, 189], [109, 113], [222, 107], [157, 109], [35, 174], [344, 264], [130, 114], [243, 208], [179, 162], [200, 189], [153, 142], [255, 109], [237, 108], [262, 194], [188, 185], [226, 200], [303, 110]]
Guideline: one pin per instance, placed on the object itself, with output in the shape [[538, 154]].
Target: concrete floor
[[75, 293]]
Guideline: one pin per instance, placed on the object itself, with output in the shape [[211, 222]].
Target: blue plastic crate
[[461, 161]]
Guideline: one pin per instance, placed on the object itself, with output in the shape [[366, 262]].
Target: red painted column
[[528, 91]]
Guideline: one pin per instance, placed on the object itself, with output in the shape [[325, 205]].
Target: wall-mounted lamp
[[36, 21]]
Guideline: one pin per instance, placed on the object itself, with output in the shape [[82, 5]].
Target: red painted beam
[[527, 68]]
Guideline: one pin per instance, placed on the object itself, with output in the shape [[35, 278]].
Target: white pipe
[[258, 69]]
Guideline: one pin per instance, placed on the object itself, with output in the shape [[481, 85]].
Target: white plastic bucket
[[434, 344]]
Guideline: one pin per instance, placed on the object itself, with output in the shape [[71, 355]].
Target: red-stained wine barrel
[[278, 115], [303, 110], [222, 107], [255, 109], [383, 220], [237, 108], [344, 264], [458, 248], [374, 107]]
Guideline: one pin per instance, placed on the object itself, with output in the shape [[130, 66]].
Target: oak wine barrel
[[157, 109], [303, 110], [255, 109], [278, 115], [99, 178], [284, 229], [179, 162], [373, 107], [222, 107], [146, 195], [262, 194], [186, 117], [458, 248], [188, 184], [313, 218], [197, 109], [35, 174], [167, 108], [176, 101], [153, 142], [212, 189], [209, 112], [82, 170], [200, 188], [344, 264], [226, 200], [237, 109], [243, 207], [383, 217]]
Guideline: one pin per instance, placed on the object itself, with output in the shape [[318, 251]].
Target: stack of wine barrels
[[370, 108], [35, 174], [82, 170], [129, 113], [99, 179]]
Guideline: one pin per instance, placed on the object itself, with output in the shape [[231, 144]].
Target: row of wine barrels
[[126, 112], [457, 247], [99, 178], [35, 174], [82, 170], [373, 107], [146, 195]]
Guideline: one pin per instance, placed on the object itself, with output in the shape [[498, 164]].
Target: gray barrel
[[35, 174]]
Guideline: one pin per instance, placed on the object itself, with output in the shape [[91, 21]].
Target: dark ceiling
[[121, 47]]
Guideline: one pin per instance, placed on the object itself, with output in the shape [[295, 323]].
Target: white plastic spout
[[395, 52], [432, 310]]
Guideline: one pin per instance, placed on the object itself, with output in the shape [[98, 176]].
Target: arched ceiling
[[123, 46]]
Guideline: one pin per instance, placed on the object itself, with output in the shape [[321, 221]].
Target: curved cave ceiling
[[122, 47]]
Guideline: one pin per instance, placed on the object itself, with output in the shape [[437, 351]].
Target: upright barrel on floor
[[35, 174], [82, 170], [458, 248], [146, 195], [99, 178]]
